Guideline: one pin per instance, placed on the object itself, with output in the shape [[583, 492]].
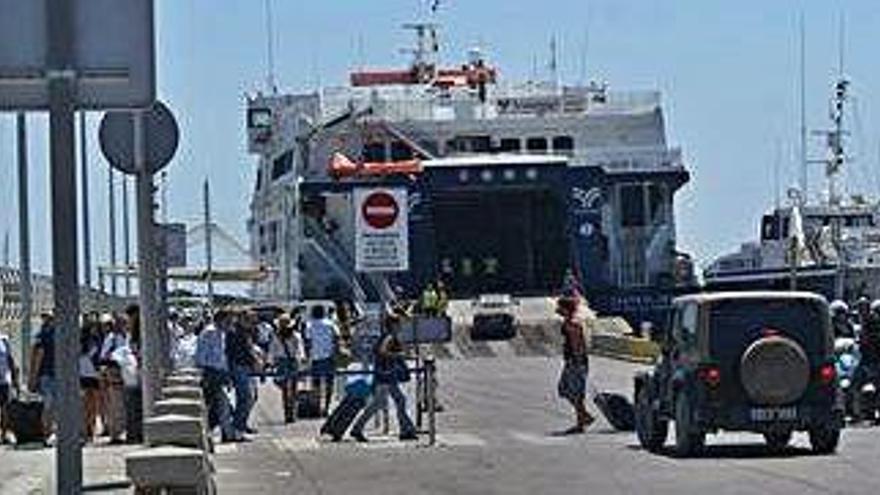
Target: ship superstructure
[[831, 246], [563, 177]]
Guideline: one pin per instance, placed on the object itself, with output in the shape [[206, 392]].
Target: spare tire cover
[[774, 371]]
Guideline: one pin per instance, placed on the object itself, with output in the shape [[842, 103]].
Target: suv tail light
[[710, 375], [827, 374]]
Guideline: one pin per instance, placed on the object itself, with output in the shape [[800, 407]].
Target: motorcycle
[[869, 396], [848, 357]]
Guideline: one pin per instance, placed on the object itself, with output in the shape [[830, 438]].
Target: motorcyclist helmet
[[838, 308]]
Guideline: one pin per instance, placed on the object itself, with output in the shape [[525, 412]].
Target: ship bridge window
[[632, 205], [859, 221], [400, 151], [536, 144], [480, 144], [510, 145], [259, 118], [273, 236], [563, 144], [374, 152], [774, 228], [655, 203], [282, 165]]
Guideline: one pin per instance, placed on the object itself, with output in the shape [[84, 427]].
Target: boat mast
[[835, 161], [804, 185]]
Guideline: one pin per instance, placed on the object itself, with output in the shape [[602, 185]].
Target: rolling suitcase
[[26, 420], [308, 404], [617, 410], [342, 417]]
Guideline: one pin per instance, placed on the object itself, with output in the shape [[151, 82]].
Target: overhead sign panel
[[113, 53], [172, 242], [382, 237]]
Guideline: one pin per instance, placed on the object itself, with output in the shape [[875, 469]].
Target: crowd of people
[[306, 346], [108, 374], [301, 352]]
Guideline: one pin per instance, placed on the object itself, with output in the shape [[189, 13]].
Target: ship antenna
[[841, 44], [270, 49], [836, 135], [803, 105]]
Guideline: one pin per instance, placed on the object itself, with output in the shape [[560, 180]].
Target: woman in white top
[[89, 379], [285, 352]]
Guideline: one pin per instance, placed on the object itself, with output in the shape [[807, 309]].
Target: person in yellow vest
[[442, 298], [429, 300]]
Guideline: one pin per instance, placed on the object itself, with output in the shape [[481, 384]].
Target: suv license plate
[[764, 414]]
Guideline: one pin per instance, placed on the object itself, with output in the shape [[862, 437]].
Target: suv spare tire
[[774, 371]]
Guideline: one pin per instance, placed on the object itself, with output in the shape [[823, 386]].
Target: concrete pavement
[[498, 436]]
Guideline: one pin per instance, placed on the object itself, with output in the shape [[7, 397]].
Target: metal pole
[[126, 235], [430, 370], [288, 255], [209, 260], [62, 87], [111, 211], [84, 185], [24, 241], [147, 270]]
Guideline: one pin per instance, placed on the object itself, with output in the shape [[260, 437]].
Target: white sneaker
[[50, 441]]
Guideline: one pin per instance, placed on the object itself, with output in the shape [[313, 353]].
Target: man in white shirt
[[321, 336]]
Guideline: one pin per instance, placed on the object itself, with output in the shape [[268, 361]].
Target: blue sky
[[727, 70]]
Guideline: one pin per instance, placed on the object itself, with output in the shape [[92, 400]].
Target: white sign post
[[382, 230]]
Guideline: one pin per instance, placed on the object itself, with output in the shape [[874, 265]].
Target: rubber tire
[[824, 440], [687, 441], [650, 429], [777, 441]]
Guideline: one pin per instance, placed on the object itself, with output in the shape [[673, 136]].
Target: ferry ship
[[830, 246], [510, 186]]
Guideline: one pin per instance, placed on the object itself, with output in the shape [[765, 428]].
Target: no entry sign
[[380, 210], [382, 237]]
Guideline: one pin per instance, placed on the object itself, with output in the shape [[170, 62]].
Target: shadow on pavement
[[736, 451]]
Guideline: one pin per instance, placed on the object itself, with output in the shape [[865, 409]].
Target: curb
[[625, 348]]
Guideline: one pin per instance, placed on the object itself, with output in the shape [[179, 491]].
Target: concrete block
[[188, 372], [182, 392], [169, 468], [175, 429], [184, 407], [183, 381]]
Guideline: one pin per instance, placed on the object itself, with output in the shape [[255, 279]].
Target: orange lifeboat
[[342, 167]]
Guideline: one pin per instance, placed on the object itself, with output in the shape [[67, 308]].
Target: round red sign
[[380, 210]]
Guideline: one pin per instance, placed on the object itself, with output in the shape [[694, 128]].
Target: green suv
[[744, 361]]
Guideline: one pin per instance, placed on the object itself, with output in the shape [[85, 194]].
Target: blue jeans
[[244, 396], [49, 393], [380, 399], [213, 382]]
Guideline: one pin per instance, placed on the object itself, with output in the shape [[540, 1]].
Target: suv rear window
[[735, 324]]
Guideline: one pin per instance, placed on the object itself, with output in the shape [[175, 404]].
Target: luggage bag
[[308, 404], [342, 417], [26, 420], [617, 410]]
